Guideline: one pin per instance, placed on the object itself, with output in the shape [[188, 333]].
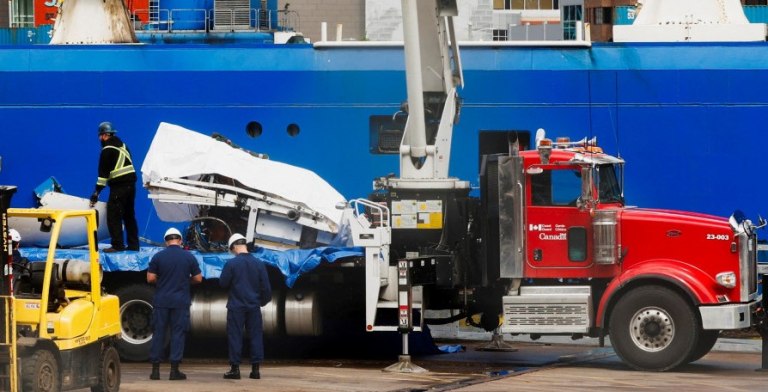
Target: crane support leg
[[404, 364]]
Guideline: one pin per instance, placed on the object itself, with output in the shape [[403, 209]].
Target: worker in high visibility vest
[[116, 170]]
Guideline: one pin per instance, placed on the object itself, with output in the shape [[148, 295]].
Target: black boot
[[233, 373], [155, 375], [176, 374], [255, 372]]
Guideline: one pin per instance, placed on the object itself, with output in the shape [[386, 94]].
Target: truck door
[[556, 229]]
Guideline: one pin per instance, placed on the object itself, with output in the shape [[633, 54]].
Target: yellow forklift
[[59, 328]]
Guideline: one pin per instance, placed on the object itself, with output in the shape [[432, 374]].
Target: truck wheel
[[136, 321], [109, 371], [40, 372], [654, 329], [707, 340]]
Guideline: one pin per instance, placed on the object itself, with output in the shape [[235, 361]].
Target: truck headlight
[[726, 279]]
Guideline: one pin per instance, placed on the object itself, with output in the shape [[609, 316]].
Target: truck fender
[[697, 284]]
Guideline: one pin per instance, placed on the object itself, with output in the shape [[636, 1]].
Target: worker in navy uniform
[[173, 270], [116, 170], [246, 278]]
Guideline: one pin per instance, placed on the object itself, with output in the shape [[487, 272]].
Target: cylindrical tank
[[76, 272], [302, 314], [296, 314], [208, 314]]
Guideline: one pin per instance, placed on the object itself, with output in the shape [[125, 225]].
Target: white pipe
[[415, 129], [323, 31], [579, 30], [339, 27]]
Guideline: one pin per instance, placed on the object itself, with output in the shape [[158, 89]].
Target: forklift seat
[[37, 277]]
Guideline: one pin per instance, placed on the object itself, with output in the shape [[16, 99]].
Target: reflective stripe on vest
[[121, 168]]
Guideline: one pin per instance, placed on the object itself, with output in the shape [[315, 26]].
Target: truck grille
[[748, 266]]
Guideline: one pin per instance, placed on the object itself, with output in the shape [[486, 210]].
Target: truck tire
[[707, 340], [109, 371], [40, 372], [653, 328], [136, 321]]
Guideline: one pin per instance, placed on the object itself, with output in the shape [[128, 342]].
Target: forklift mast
[[8, 355]]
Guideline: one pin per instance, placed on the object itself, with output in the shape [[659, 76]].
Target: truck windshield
[[608, 185]]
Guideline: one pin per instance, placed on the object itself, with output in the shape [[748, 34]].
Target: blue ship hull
[[688, 118]]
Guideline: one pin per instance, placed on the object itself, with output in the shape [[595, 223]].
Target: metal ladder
[[154, 10], [8, 355]]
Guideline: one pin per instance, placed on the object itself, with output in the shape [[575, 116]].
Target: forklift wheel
[[109, 371], [40, 372]]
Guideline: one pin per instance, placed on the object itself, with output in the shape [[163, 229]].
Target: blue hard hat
[[106, 127]]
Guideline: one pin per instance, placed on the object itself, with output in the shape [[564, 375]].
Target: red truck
[[549, 247], [556, 251]]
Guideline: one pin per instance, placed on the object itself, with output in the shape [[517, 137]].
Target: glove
[[94, 198]]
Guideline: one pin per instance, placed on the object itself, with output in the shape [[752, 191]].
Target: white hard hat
[[15, 236], [235, 237], [170, 232]]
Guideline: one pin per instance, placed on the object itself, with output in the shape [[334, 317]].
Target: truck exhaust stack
[[92, 22]]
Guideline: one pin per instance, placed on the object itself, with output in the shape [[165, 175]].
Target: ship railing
[[289, 20], [152, 19], [263, 19], [189, 19], [169, 20], [259, 19], [22, 20], [231, 19]]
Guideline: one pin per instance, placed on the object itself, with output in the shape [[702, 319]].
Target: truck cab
[[572, 258]]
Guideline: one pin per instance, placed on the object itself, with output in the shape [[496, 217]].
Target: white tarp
[[177, 152]]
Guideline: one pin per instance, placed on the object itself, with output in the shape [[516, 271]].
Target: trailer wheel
[[40, 372], [707, 340], [654, 329], [136, 321], [109, 371]]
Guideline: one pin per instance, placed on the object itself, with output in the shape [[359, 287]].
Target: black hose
[[446, 320]]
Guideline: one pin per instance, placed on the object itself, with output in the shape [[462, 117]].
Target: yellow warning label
[[430, 220]]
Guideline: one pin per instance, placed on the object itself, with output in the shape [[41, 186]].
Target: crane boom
[[433, 72]]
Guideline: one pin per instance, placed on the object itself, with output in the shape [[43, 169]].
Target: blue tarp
[[451, 348], [291, 263]]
